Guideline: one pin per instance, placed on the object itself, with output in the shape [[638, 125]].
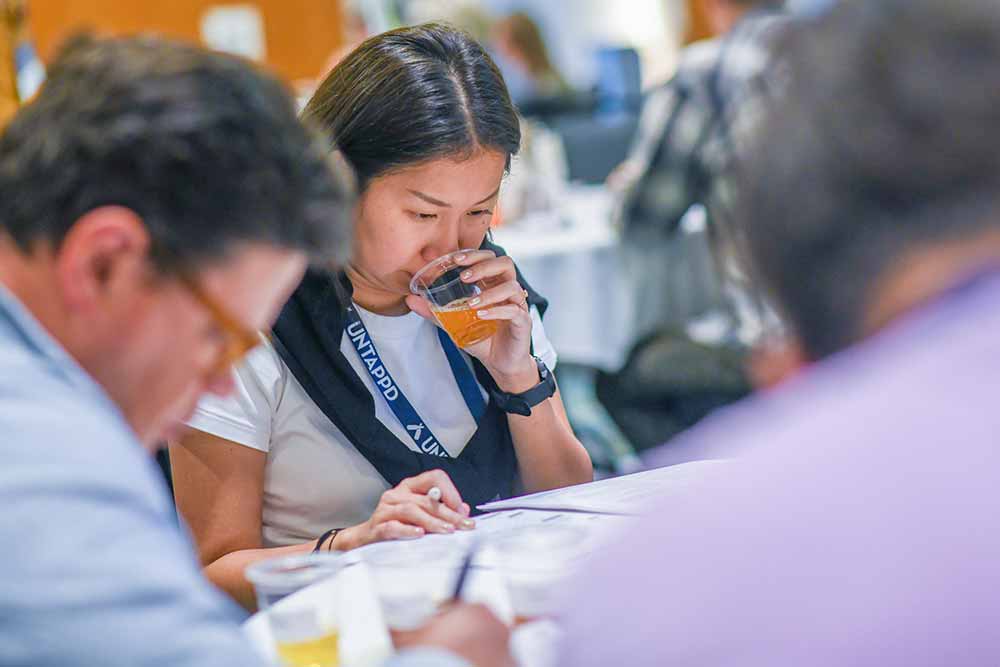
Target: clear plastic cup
[[305, 627], [441, 284], [535, 561], [413, 579]]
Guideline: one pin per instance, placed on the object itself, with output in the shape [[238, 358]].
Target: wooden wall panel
[[300, 34], [8, 77], [697, 22]]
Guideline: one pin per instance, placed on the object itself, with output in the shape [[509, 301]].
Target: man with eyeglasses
[[158, 204]]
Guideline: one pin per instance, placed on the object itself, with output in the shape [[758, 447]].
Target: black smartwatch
[[521, 404]]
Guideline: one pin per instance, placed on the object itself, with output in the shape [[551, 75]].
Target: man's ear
[[775, 361], [103, 257]]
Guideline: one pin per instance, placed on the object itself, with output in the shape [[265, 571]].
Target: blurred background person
[[854, 525], [683, 148], [354, 30], [524, 60], [697, 324]]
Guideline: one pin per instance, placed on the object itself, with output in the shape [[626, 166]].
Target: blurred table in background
[[573, 257], [606, 292]]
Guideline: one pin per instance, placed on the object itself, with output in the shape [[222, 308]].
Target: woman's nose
[[445, 240]]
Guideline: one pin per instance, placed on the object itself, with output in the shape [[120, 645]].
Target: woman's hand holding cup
[[498, 297]]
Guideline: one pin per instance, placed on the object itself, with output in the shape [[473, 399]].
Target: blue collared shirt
[[93, 568]]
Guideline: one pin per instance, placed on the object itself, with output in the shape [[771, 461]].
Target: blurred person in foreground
[[158, 204], [857, 526]]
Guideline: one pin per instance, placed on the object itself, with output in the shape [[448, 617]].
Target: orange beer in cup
[[440, 283], [462, 323]]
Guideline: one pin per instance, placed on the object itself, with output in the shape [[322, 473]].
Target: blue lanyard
[[421, 434]]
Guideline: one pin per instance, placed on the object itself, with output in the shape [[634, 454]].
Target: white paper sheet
[[628, 494], [596, 525]]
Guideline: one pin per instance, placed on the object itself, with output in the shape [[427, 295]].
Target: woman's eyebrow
[[437, 202]]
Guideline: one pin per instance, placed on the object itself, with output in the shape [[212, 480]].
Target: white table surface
[[364, 638], [350, 596]]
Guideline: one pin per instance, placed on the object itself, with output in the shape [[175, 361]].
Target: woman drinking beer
[[359, 419]]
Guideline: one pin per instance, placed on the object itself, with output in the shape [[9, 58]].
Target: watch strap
[[521, 404]]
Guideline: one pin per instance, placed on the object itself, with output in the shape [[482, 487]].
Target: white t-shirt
[[315, 479]]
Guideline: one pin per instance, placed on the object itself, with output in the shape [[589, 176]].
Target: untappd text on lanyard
[[407, 415]]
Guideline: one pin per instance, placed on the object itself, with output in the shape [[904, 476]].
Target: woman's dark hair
[[412, 95]]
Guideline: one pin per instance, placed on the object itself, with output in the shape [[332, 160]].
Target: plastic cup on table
[[305, 630], [413, 579], [535, 561]]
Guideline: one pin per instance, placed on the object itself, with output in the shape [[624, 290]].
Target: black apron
[[307, 336]]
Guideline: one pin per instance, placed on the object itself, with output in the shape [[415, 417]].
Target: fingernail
[[483, 314], [446, 527], [466, 509], [466, 275], [460, 257], [468, 524], [475, 302], [417, 530]]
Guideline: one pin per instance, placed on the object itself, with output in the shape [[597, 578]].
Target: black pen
[[463, 573]]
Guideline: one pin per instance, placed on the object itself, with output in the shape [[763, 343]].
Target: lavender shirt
[[861, 525]]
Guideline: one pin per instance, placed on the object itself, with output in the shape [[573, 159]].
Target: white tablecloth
[[573, 258]]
